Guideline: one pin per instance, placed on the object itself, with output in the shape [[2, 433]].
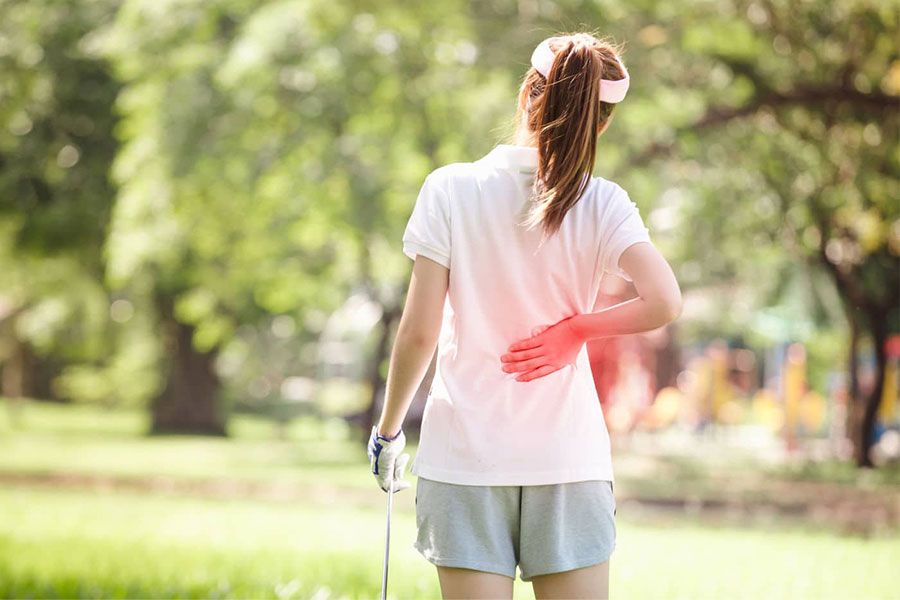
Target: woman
[[513, 465]]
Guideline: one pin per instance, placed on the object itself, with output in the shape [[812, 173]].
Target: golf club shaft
[[387, 539]]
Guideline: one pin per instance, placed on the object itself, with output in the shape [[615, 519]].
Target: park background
[[201, 276]]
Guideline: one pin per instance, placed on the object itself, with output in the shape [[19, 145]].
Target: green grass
[[841, 471], [124, 545], [74, 544], [79, 543], [83, 439]]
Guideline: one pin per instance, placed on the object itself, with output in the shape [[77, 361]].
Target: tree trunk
[[376, 381], [18, 372], [853, 411], [864, 315], [189, 404], [668, 358], [17, 378], [870, 402]]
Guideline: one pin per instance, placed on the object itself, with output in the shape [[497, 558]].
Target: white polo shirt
[[480, 426]]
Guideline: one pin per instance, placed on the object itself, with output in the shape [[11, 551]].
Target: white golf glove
[[386, 460]]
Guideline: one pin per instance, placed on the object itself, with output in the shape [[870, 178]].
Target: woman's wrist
[[574, 324], [385, 435]]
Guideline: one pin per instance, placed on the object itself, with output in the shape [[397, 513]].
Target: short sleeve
[[428, 230], [624, 228]]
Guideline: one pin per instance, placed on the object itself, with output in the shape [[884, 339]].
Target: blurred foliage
[[56, 148], [257, 161]]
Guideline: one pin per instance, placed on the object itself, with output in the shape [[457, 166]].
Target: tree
[[814, 131], [56, 143]]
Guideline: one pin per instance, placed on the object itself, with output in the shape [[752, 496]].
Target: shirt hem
[[589, 473], [411, 249]]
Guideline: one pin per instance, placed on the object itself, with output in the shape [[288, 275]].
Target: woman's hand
[[549, 349], [385, 459]]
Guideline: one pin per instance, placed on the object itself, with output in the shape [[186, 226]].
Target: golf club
[[387, 539]]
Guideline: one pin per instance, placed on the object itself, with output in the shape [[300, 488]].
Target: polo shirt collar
[[507, 156]]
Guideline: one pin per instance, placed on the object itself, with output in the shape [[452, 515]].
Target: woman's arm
[[658, 301], [417, 337], [556, 346]]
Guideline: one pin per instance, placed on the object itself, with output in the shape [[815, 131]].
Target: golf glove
[[386, 460]]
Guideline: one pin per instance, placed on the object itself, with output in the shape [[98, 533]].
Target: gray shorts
[[539, 528]]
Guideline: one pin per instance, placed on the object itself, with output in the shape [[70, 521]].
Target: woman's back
[[481, 426]]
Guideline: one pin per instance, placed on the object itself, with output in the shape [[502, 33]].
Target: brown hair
[[563, 114]]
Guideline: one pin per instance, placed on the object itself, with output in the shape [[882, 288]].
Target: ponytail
[[564, 113]]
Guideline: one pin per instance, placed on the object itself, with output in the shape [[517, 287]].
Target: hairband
[[611, 90]]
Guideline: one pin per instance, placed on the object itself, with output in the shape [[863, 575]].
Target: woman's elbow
[[665, 311], [672, 304], [667, 306], [674, 309], [653, 279]]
